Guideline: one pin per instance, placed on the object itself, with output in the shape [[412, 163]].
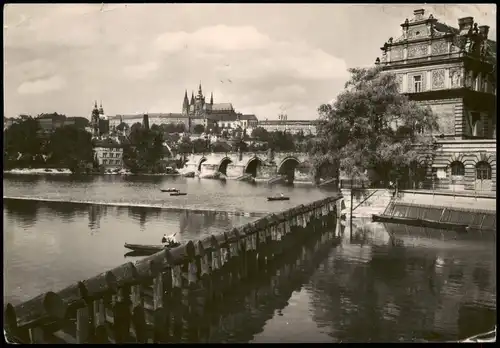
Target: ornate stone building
[[452, 70]]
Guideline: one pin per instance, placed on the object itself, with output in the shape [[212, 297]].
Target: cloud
[[214, 38], [41, 86], [141, 71], [251, 53]]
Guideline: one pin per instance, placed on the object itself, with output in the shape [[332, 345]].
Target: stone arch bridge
[[264, 166]]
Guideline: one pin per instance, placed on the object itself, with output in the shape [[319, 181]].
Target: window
[[417, 83], [457, 168], [104, 161], [483, 171]]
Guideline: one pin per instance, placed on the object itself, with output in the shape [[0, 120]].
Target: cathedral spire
[[192, 97], [95, 104], [185, 103], [211, 98]]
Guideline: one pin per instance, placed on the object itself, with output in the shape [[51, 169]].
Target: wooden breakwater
[[160, 298]]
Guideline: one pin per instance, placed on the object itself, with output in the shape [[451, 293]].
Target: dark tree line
[[26, 145]]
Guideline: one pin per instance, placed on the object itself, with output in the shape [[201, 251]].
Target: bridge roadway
[[292, 166], [161, 298]]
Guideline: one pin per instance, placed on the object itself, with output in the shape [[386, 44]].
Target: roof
[[150, 115], [222, 107], [249, 117], [106, 143], [289, 122]]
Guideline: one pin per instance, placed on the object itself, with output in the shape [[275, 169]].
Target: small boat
[[169, 190], [150, 249], [279, 198], [421, 222], [178, 194]]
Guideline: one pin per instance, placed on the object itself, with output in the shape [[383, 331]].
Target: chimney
[[465, 24], [419, 14], [145, 121], [484, 30]]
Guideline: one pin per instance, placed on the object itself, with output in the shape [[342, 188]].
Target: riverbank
[[65, 171]]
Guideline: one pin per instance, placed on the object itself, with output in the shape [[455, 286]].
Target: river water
[[416, 285]]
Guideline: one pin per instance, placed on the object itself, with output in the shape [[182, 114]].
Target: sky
[[265, 59]]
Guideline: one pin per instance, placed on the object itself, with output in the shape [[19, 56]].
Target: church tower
[[185, 104], [94, 120]]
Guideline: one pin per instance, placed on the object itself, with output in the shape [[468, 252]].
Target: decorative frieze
[[397, 53], [416, 51], [439, 47], [438, 79]]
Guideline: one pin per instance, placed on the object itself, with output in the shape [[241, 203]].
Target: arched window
[[483, 171], [457, 168]]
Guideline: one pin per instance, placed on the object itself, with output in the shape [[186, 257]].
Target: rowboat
[[178, 194], [149, 249], [278, 198], [421, 222], [169, 190]]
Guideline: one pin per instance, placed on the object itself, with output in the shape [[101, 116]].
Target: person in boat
[[167, 240]]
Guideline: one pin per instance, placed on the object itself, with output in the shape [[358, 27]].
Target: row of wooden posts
[[127, 303]]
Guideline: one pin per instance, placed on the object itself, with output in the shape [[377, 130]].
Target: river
[[60, 229]]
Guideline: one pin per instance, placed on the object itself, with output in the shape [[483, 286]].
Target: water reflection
[[50, 244], [406, 289], [25, 214]]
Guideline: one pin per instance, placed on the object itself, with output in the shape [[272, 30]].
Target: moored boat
[[178, 194], [279, 198], [169, 190], [150, 249], [420, 222]]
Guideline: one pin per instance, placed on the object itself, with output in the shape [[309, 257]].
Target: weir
[[180, 295]]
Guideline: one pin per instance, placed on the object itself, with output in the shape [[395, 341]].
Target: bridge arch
[[252, 166], [222, 167], [200, 162], [287, 168]]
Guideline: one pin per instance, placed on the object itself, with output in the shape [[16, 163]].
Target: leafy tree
[[71, 147], [122, 127], [281, 141], [185, 146], [200, 145], [198, 129], [23, 137], [371, 126], [80, 122], [220, 146], [260, 133]]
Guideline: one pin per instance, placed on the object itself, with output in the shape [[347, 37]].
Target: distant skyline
[[262, 58]]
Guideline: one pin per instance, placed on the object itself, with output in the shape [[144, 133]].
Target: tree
[[371, 126], [122, 127], [260, 133], [70, 146], [281, 141], [185, 146], [198, 129], [23, 137]]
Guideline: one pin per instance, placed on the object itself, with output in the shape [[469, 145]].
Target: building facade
[[453, 71], [109, 154], [307, 127]]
